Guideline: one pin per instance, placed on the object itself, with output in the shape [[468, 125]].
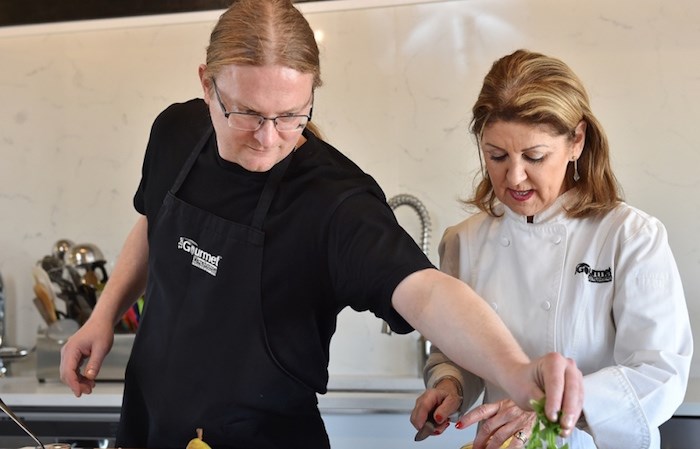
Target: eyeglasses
[[250, 121]]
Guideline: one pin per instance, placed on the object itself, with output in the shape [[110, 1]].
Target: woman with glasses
[[566, 264], [254, 234]]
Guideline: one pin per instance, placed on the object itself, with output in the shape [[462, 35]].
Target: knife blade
[[428, 428]]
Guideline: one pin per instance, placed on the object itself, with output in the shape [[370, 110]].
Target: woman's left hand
[[499, 421]]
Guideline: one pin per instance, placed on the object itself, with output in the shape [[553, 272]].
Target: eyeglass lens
[[253, 122]]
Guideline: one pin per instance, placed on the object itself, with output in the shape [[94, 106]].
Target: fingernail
[[568, 421], [459, 425], [438, 418]]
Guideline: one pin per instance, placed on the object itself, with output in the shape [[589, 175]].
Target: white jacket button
[[546, 305], [505, 241], [556, 239], [494, 305]]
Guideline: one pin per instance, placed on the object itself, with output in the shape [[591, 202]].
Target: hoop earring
[[577, 177]]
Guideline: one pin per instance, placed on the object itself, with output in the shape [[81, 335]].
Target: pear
[[198, 443]]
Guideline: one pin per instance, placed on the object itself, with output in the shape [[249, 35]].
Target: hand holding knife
[[447, 393], [428, 428], [431, 425]]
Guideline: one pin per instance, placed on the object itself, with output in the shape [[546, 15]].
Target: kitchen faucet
[[415, 204], [404, 199]]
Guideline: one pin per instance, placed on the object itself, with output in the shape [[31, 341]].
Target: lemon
[[198, 443]]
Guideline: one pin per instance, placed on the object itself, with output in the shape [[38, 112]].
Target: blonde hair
[[264, 32], [532, 88]]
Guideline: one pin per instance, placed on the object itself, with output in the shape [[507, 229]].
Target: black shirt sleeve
[[369, 255], [173, 136]]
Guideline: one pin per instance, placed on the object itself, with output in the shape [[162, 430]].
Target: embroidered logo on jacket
[[200, 258], [597, 276]]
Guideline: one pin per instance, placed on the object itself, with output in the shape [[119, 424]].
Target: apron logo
[[200, 258], [597, 276]]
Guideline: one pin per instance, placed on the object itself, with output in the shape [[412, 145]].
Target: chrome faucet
[[410, 200]]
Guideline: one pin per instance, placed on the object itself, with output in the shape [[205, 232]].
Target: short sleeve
[[369, 255]]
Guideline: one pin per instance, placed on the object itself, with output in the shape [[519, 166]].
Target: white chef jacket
[[604, 291]]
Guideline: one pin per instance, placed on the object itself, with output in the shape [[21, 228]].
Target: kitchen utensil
[[60, 248], [47, 302], [76, 306], [100, 266], [74, 276], [19, 422], [90, 286], [428, 428], [86, 300], [90, 279], [130, 320], [52, 264], [55, 268], [41, 277], [42, 310], [83, 254]]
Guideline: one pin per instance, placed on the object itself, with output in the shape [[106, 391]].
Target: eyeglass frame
[[260, 116]]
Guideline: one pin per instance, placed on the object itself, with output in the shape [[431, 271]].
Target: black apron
[[201, 356]]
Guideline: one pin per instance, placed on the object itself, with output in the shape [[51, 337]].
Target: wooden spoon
[[46, 301], [42, 310]]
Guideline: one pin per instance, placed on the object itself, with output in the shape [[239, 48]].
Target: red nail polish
[[459, 425], [438, 418]]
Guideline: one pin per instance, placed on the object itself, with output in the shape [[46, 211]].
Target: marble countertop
[[347, 394]]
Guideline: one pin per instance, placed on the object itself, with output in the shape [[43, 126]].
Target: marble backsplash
[[79, 99]]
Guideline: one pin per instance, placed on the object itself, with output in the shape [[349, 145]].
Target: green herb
[[544, 432]]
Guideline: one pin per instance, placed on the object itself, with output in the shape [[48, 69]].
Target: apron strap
[[189, 163], [269, 191]]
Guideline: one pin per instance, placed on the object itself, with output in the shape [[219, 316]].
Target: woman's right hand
[[91, 342], [442, 401]]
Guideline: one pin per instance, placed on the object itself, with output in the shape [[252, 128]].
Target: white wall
[[78, 102]]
